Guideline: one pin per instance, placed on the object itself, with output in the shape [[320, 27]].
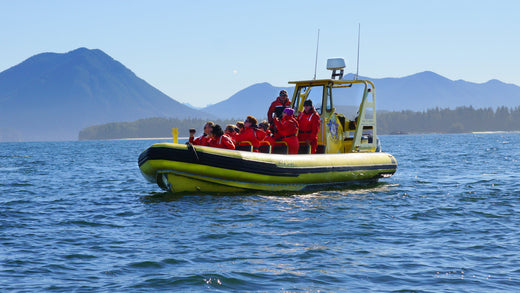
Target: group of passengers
[[282, 127]]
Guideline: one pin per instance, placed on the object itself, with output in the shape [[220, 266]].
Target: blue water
[[78, 216]]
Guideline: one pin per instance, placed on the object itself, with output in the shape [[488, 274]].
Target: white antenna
[[316, 62], [358, 37]]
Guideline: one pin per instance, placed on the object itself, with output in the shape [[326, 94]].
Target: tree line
[[458, 120], [146, 128]]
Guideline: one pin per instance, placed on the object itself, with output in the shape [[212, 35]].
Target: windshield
[[313, 93]]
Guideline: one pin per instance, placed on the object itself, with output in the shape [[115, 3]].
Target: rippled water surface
[[78, 216]]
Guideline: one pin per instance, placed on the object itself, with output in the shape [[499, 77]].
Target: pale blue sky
[[203, 52]]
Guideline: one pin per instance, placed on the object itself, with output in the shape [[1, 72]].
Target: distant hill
[[427, 90], [253, 100], [417, 92], [191, 106], [53, 96]]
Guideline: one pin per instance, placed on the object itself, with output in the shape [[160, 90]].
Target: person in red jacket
[[276, 108], [240, 126], [232, 132], [249, 133], [288, 129], [309, 122], [205, 137], [263, 127], [220, 140]]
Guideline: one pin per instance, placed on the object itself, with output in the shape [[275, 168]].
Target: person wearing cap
[[276, 108], [249, 134], [220, 140], [205, 137], [309, 122], [288, 129]]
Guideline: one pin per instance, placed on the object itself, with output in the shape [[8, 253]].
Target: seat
[[304, 148], [280, 147], [265, 147], [248, 147], [245, 148]]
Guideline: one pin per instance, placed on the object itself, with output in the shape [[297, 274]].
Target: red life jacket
[[223, 142], [288, 129], [249, 134], [201, 140], [309, 125], [287, 126], [233, 136]]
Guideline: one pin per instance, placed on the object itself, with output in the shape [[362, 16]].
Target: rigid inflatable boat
[[348, 150]]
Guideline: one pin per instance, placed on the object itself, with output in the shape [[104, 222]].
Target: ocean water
[[79, 217]]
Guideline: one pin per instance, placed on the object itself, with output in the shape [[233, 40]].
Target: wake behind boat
[[348, 150]]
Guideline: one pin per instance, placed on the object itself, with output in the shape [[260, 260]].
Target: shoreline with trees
[[459, 120]]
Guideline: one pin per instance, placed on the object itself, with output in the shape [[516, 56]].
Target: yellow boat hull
[[186, 168]]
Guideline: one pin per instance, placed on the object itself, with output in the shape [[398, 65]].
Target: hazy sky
[[203, 52]]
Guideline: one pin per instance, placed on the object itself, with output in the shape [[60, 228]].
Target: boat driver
[[309, 122]]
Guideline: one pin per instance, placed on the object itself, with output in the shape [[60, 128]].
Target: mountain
[[191, 106], [253, 100], [427, 90], [417, 92], [53, 96]]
